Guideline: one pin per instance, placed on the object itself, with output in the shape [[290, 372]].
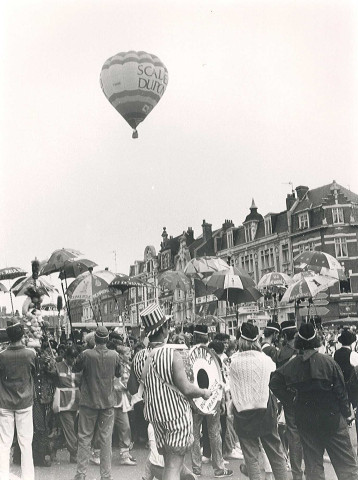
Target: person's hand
[[350, 420], [206, 393]]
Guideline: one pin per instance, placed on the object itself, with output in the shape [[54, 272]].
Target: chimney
[[301, 191], [227, 224], [190, 235], [290, 200], [207, 232]]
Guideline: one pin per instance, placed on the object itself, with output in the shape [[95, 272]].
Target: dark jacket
[[270, 350], [17, 365], [315, 384], [285, 353], [99, 366]]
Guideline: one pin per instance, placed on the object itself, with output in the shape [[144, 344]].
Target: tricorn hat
[[347, 337], [249, 332], [307, 332], [288, 325], [274, 326]]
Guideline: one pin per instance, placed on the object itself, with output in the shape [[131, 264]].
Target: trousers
[[24, 427], [214, 431], [67, 420], [89, 418], [122, 428], [339, 449], [271, 443], [294, 444]]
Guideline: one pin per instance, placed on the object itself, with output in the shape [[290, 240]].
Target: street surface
[[66, 471]]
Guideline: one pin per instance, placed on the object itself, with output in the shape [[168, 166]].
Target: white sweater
[[249, 379]]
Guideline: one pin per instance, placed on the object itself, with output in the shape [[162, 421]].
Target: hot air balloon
[[134, 82]]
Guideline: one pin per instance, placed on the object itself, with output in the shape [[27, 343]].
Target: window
[[303, 220], [247, 262], [285, 254], [267, 258], [105, 309], [341, 247], [268, 226], [337, 215], [309, 246], [230, 240]]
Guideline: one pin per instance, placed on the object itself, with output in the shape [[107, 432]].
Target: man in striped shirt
[[166, 392]]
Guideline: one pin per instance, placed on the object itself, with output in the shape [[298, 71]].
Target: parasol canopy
[[308, 287], [73, 267], [57, 260], [9, 273], [124, 282], [28, 287], [3, 288], [321, 263], [203, 267], [90, 285], [173, 280], [232, 277], [274, 279]]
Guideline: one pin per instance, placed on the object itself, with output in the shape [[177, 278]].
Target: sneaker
[[197, 472], [205, 460], [190, 476], [127, 461], [95, 460], [235, 454], [223, 473]]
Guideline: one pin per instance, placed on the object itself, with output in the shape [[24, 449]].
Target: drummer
[[166, 393], [213, 424]]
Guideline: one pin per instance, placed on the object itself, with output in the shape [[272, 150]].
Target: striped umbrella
[[320, 262], [124, 282], [274, 279], [307, 287], [203, 267], [90, 285]]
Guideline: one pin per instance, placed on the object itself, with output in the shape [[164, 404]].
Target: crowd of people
[[284, 402]]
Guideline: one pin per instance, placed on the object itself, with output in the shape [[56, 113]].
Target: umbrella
[[237, 295], [10, 273], [320, 262], [274, 279], [73, 267], [173, 280], [307, 287], [3, 288], [203, 267], [57, 259], [123, 282], [90, 285], [29, 288], [230, 278]]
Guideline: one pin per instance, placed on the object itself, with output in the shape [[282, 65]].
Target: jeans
[[272, 445], [121, 424], [88, 418], [339, 449], [67, 420], [214, 430], [294, 444], [24, 427]]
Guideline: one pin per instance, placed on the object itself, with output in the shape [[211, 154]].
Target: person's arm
[[339, 388], [279, 388], [79, 364], [182, 383], [133, 383], [118, 369]]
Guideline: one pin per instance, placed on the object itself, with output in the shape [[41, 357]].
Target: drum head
[[206, 373]]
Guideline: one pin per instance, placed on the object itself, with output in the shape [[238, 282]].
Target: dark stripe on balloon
[[133, 93]]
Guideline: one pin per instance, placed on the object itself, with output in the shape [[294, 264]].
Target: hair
[[222, 337], [111, 345], [301, 344], [199, 338], [101, 340], [218, 346], [71, 352], [122, 349], [289, 334], [245, 345], [138, 347], [62, 347], [154, 336], [89, 339]]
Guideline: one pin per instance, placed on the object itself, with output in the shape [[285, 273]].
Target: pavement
[[63, 470]]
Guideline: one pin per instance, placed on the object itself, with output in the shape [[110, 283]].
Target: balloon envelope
[[133, 83]]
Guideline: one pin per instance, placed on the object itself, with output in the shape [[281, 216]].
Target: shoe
[[235, 454], [205, 460], [223, 473], [79, 476], [243, 469], [190, 476], [95, 460], [127, 461], [197, 472]]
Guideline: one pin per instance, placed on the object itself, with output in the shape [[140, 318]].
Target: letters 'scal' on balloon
[[133, 83]]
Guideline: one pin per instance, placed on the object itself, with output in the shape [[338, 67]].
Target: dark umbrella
[[123, 282], [75, 266], [57, 260], [9, 273]]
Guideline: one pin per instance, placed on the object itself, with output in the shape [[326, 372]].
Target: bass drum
[[205, 373]]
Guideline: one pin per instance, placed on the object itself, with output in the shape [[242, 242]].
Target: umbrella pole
[[227, 301], [100, 313], [94, 315], [12, 304], [67, 302]]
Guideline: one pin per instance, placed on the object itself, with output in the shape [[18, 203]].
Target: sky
[[261, 93]]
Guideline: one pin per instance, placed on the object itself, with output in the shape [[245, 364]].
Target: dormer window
[[303, 221], [268, 226], [337, 215], [230, 239]]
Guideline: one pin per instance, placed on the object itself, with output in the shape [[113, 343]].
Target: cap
[[101, 332], [15, 332]]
